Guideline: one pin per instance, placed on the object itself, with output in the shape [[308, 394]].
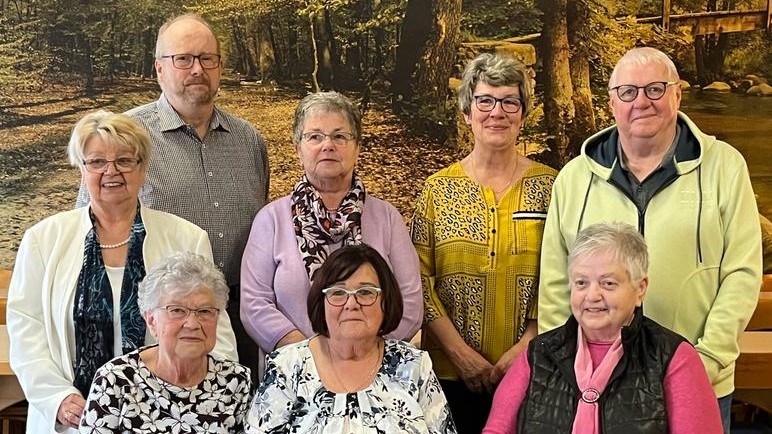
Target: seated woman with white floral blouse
[[348, 378], [175, 386]]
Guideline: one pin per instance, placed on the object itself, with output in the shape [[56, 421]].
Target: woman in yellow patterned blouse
[[477, 229]]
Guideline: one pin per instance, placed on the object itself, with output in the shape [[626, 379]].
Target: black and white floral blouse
[[126, 397], [404, 397]]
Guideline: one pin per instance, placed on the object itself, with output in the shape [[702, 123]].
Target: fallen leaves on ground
[[36, 180]]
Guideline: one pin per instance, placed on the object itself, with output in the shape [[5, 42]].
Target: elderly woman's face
[[495, 129], [332, 158], [603, 297], [352, 320], [184, 336], [116, 182]]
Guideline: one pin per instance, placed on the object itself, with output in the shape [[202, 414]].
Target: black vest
[[634, 399]]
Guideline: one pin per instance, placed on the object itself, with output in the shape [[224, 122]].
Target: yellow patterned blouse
[[480, 259]]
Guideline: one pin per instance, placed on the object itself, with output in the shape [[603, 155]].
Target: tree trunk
[[710, 52], [558, 92], [415, 34], [578, 18], [439, 55], [325, 50], [267, 54], [241, 53], [314, 78], [88, 67]]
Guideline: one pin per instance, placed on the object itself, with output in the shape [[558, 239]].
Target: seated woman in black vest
[[609, 369]]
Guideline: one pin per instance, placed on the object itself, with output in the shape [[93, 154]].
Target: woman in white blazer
[[72, 300]]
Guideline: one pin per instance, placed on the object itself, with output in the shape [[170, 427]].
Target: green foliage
[[20, 67], [496, 19], [66, 40], [364, 32], [752, 55]]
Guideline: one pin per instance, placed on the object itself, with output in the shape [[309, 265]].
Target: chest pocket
[[527, 230]]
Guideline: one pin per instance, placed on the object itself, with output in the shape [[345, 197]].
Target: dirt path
[[36, 180]]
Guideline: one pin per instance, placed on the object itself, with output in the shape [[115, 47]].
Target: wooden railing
[[5, 280]]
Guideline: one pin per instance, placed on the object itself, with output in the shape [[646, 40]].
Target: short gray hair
[[114, 128], [165, 26], [621, 240], [326, 102], [182, 273], [494, 70], [641, 56]]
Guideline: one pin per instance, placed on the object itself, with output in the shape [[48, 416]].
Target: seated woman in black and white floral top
[[175, 386], [348, 378]]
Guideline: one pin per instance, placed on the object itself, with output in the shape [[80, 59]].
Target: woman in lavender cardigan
[[328, 208]]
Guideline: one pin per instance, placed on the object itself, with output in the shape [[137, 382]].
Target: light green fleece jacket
[[703, 234]]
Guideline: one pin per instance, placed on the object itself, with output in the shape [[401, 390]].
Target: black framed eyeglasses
[[338, 138], [185, 61], [122, 164], [338, 295], [653, 91], [486, 103], [175, 312]]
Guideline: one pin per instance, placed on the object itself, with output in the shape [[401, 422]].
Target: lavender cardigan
[[274, 283]]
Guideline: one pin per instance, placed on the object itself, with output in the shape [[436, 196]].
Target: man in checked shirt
[[207, 166]]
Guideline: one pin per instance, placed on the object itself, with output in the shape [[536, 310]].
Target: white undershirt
[[115, 276]]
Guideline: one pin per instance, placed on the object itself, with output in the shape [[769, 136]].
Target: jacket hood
[[600, 150]]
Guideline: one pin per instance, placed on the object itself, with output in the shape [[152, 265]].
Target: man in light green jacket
[[688, 194]]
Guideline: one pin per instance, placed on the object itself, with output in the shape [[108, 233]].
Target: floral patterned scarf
[[93, 309], [316, 226]]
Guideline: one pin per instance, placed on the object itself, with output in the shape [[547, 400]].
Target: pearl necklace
[[378, 362], [115, 246]]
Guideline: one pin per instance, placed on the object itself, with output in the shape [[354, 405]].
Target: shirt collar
[[668, 157], [170, 120]]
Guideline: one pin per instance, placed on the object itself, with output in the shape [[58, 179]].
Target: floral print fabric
[[314, 227], [404, 397], [126, 397]]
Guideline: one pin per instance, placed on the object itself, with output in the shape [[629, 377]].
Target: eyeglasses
[[653, 91], [338, 295], [338, 138], [185, 61], [486, 103], [176, 312], [122, 164]]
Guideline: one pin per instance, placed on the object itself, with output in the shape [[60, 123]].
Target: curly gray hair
[[182, 273], [620, 240], [326, 102], [494, 70]]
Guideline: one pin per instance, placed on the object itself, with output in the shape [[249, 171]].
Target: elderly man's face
[[194, 86], [603, 297], [643, 119], [189, 338]]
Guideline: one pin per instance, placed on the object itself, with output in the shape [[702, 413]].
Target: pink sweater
[[691, 404], [274, 282]]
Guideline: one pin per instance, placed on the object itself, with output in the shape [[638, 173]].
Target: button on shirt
[[219, 183]]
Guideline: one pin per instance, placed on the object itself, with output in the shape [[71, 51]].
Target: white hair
[[642, 56]]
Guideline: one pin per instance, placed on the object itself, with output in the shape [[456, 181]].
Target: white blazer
[[42, 292]]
